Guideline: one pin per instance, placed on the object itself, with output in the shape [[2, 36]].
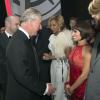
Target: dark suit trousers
[[2, 91]]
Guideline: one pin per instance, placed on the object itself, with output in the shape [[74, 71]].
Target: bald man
[[11, 25]]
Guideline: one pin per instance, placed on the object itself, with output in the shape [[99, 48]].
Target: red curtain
[[8, 7]]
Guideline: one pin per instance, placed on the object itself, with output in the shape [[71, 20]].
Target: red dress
[[76, 66]]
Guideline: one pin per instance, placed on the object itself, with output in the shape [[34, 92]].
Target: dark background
[[70, 8], [75, 8], [3, 13]]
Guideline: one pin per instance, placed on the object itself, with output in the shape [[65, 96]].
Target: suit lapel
[[94, 51], [38, 39], [98, 57], [35, 57], [5, 39]]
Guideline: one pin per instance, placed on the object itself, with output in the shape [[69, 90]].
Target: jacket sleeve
[[22, 68]]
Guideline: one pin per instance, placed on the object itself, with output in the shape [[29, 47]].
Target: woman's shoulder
[[87, 50], [87, 47], [52, 36], [67, 32]]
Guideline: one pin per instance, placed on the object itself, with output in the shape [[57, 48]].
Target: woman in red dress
[[79, 60]]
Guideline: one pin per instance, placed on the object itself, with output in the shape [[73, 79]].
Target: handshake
[[50, 89]]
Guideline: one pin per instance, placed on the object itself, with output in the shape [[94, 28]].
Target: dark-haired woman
[[79, 60]]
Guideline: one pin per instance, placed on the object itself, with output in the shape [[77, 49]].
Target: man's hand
[[51, 89]]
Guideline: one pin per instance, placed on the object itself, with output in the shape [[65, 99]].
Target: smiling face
[[76, 35]]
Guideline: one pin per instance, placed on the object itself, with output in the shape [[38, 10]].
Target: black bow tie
[[9, 37]]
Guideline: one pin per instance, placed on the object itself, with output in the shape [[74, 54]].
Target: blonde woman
[[58, 44]]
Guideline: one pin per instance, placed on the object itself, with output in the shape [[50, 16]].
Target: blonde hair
[[59, 20], [94, 7]]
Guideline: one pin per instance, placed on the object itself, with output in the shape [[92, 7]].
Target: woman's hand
[[46, 56], [67, 88], [71, 90]]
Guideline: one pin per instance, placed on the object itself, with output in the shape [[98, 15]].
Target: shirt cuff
[[46, 91]]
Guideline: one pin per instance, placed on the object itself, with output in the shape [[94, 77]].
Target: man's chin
[[97, 27]]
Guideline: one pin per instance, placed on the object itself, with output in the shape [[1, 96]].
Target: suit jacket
[[23, 81], [93, 83], [3, 62], [42, 47]]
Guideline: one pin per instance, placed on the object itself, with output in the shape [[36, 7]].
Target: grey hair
[[30, 14]]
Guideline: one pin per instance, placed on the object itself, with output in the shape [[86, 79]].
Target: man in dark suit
[[23, 69], [11, 25], [93, 83], [41, 43]]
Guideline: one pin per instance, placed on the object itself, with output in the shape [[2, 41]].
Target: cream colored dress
[[57, 45]]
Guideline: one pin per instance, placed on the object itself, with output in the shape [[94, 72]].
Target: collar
[[8, 34], [26, 33]]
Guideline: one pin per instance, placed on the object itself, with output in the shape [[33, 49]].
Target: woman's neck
[[56, 33], [82, 42]]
